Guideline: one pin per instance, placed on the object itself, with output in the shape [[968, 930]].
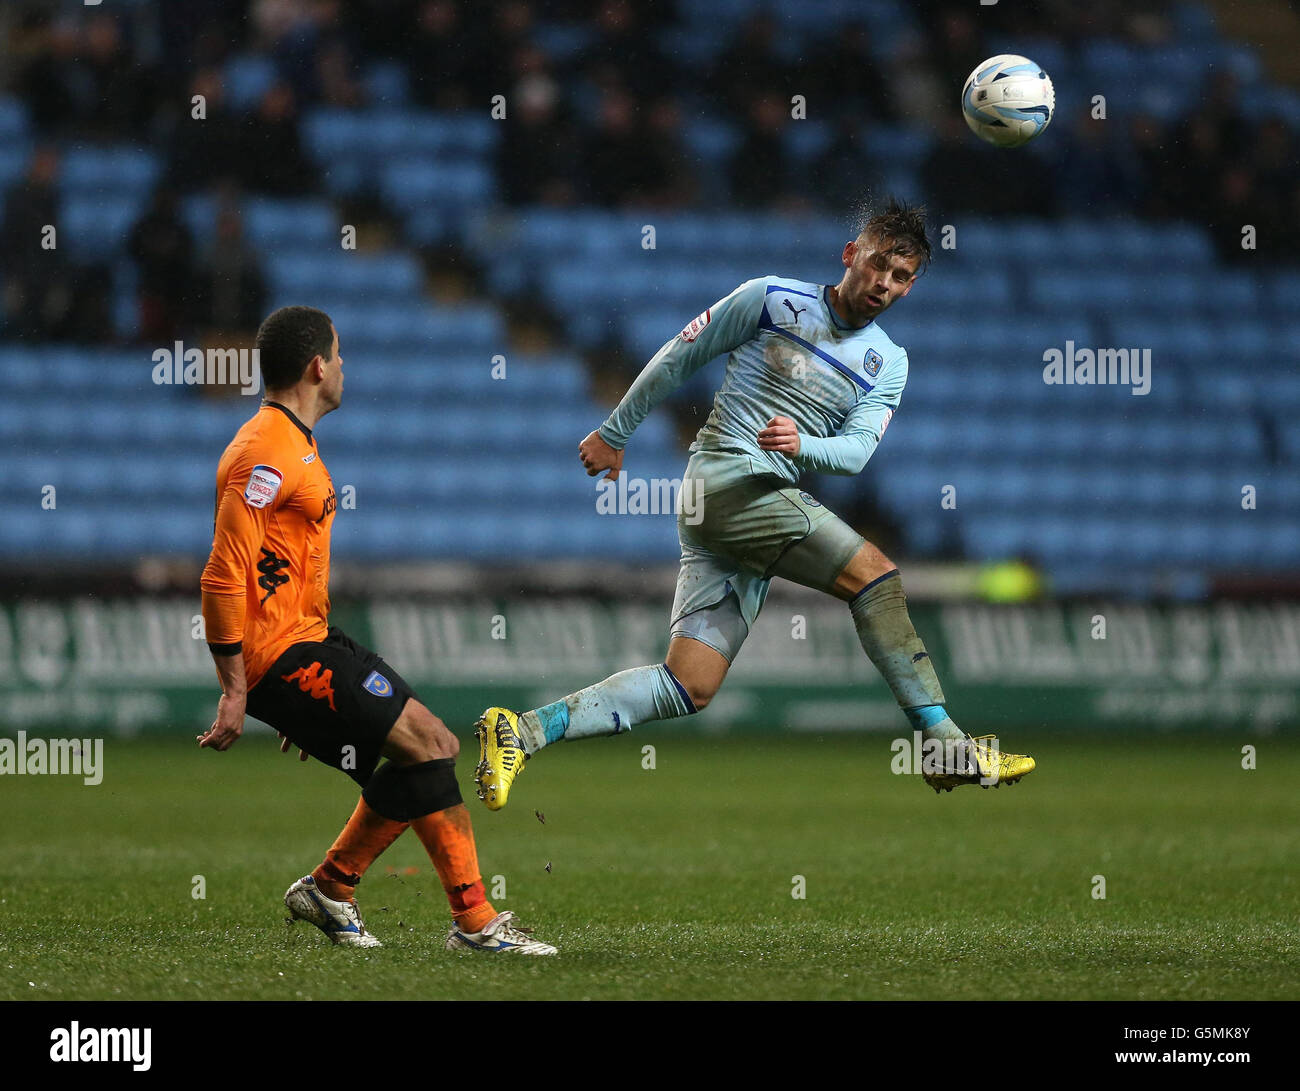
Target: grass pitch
[[677, 882]]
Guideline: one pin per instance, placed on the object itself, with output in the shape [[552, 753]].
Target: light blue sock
[[618, 704], [934, 722]]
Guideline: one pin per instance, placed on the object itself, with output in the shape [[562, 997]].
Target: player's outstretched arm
[[598, 456], [726, 325]]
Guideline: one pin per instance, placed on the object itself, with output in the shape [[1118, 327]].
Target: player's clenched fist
[[598, 456], [781, 434]]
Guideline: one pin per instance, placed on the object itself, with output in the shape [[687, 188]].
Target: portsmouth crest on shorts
[[810, 500], [377, 684], [871, 362]]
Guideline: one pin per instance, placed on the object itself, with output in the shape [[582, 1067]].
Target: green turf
[[676, 882]]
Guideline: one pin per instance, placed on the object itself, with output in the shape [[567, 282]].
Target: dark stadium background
[[511, 274]]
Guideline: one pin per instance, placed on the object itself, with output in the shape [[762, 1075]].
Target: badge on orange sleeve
[[263, 484]]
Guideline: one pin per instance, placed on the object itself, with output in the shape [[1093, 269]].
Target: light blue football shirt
[[790, 356]]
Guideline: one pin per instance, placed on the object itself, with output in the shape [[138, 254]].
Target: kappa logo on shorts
[[314, 682], [811, 501], [378, 685]]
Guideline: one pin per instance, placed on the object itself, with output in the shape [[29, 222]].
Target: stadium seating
[[1102, 487]]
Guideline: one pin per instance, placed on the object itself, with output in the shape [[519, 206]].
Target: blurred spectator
[[45, 81], [1098, 175], [162, 249], [81, 79], [1276, 163], [844, 175], [37, 297], [962, 174], [537, 159], [846, 82], [1233, 206], [121, 89], [337, 84], [449, 57], [271, 156], [229, 295], [45, 296], [759, 167], [627, 51], [920, 97], [957, 45], [751, 69], [205, 152], [624, 163]]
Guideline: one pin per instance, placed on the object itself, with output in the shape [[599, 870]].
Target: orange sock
[[365, 836], [448, 838]]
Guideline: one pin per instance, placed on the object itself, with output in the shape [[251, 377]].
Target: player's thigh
[[821, 558], [866, 566], [419, 736], [717, 601], [335, 700], [752, 523]]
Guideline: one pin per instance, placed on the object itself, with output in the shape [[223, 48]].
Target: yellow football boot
[[501, 756], [992, 769]]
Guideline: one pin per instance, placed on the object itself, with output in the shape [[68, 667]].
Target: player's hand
[[598, 456], [782, 435], [284, 748], [227, 727]]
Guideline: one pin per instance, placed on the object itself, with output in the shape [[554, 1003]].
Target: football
[[1008, 100]]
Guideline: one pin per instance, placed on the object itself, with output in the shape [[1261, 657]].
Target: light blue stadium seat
[[386, 84], [13, 119], [93, 170], [415, 183], [15, 152], [93, 226], [246, 78]]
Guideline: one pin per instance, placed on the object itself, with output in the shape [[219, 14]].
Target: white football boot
[[498, 935], [339, 920]]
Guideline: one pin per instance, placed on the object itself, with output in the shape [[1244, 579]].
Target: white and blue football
[[1008, 100]]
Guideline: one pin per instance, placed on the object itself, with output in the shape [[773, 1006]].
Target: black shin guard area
[[405, 792]]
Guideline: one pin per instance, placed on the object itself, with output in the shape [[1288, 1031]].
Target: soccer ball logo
[[1008, 100]]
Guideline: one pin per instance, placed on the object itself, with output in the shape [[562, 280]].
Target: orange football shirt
[[266, 583]]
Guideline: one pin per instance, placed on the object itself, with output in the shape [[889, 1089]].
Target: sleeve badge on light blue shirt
[[871, 363]]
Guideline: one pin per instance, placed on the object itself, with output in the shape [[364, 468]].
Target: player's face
[[333, 384], [875, 280]]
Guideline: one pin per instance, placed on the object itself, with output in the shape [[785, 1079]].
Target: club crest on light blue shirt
[[872, 362]]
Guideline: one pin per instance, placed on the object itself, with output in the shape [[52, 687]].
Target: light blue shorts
[[745, 529]]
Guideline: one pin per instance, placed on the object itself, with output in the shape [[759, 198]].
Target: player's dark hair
[[288, 340], [899, 229]]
